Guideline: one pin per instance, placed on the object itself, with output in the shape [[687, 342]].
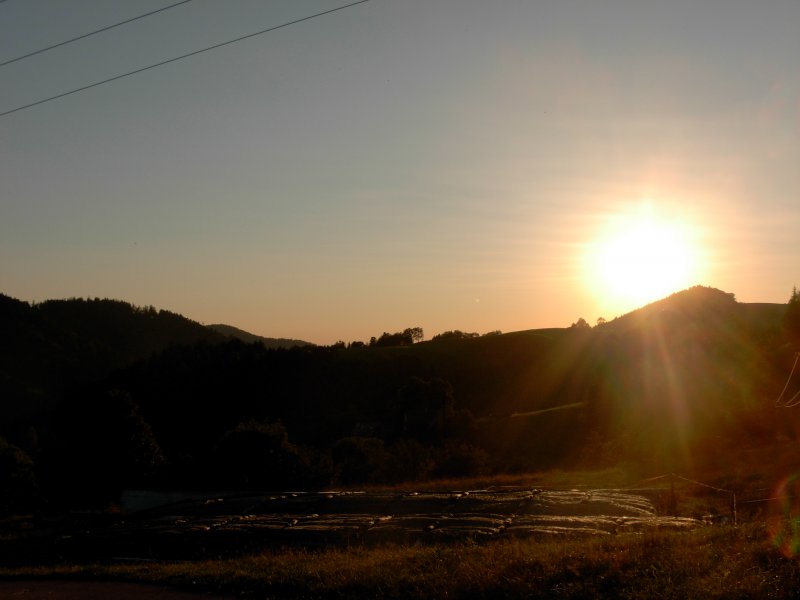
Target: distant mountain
[[249, 338]]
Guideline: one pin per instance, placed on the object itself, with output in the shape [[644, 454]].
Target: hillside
[[679, 382], [699, 304], [681, 370], [250, 338], [48, 347]]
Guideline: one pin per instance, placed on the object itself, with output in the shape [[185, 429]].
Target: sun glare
[[641, 257]]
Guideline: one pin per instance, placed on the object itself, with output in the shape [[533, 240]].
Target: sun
[[641, 257]]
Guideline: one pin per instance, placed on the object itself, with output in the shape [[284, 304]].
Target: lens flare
[[783, 522]]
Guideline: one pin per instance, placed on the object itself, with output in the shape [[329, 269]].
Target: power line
[[177, 58], [794, 366], [85, 35]]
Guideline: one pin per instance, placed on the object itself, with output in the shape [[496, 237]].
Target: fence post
[[673, 503]]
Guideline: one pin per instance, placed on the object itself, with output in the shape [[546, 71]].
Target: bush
[[359, 460], [408, 461], [460, 460], [257, 454]]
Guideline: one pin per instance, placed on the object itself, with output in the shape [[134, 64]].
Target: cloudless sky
[[445, 164]]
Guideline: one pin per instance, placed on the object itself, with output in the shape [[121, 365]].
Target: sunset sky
[[448, 164]]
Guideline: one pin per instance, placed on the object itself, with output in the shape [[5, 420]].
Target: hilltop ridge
[[234, 332]]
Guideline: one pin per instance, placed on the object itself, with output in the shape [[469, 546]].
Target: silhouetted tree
[[455, 335], [259, 455], [424, 409], [416, 334], [407, 337], [580, 324], [459, 459], [359, 459], [409, 460], [100, 445], [791, 318]]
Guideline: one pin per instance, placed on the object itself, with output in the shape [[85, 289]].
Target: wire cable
[[86, 35], [778, 401], [177, 58], [792, 402]]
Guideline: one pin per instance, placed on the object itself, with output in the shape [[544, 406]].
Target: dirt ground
[[92, 590]]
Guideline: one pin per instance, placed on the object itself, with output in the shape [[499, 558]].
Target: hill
[[687, 380], [663, 380], [250, 338], [48, 347], [700, 303]]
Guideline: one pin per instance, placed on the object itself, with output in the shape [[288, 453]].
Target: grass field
[[713, 562]]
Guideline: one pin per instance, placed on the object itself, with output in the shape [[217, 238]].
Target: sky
[[444, 164]]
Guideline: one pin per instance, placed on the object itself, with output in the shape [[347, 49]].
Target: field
[[714, 562], [720, 560]]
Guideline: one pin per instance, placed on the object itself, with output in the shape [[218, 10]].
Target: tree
[[580, 324], [359, 459], [407, 337], [100, 446], [424, 409], [257, 454], [409, 460], [415, 333], [791, 318], [456, 334], [459, 459]]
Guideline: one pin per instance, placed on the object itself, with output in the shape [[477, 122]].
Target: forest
[[99, 396]]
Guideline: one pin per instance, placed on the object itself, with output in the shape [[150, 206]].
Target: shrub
[[359, 460], [257, 454], [460, 460]]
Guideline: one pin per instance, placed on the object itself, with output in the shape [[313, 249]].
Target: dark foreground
[[94, 590], [502, 542]]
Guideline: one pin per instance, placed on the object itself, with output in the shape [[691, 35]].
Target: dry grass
[[715, 562], [711, 562]]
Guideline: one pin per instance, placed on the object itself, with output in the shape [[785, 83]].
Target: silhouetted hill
[[708, 306], [249, 338], [684, 368], [679, 382], [48, 347]]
